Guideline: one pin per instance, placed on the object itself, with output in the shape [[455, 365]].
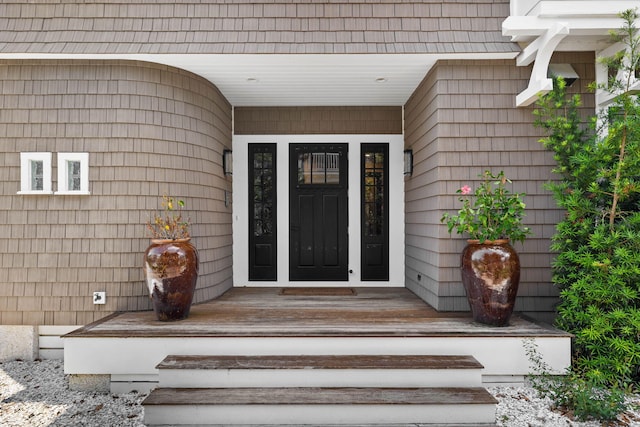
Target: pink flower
[[465, 189]]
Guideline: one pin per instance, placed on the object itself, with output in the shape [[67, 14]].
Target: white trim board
[[500, 356]]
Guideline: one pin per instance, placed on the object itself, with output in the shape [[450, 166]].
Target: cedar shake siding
[[85, 76], [149, 130], [460, 121], [253, 27], [317, 120]]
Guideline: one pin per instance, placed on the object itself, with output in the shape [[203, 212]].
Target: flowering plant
[[494, 214], [171, 225]]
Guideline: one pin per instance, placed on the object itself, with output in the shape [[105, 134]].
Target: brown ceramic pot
[[171, 271], [490, 275]]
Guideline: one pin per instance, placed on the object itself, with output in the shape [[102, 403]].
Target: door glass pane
[[319, 168], [262, 194], [332, 168], [373, 193], [267, 220], [304, 168], [37, 178]]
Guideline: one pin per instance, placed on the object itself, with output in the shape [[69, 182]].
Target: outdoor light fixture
[[408, 162], [227, 162], [565, 71]]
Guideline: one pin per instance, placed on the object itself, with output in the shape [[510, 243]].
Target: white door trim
[[241, 201]]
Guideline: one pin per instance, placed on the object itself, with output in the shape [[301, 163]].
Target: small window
[[35, 173], [73, 173]]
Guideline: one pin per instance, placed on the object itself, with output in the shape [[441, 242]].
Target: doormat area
[[319, 292]]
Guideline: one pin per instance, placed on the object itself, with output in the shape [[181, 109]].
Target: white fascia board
[[526, 27], [589, 8], [523, 7]]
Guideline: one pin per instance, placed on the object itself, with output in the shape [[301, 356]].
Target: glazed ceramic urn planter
[[171, 272], [490, 275]]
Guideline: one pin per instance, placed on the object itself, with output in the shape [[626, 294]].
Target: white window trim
[[25, 172], [63, 158]]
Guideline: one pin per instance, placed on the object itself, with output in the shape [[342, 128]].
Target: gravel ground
[[521, 407], [36, 394]]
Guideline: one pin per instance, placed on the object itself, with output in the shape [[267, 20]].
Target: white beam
[[584, 8], [533, 92], [553, 36], [611, 50], [544, 47], [531, 26], [580, 25]]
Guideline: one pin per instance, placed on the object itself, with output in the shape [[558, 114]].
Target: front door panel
[[318, 212], [374, 196], [263, 236]]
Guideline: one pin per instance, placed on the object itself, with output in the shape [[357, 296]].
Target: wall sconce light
[[408, 162], [565, 71], [227, 162]]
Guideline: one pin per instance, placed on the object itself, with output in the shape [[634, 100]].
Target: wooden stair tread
[[320, 362], [320, 396]]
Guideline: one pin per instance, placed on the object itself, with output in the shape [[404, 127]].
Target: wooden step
[[318, 406], [320, 371], [320, 362]]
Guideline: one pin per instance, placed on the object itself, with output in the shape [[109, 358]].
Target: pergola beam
[[542, 49], [544, 26], [526, 27]]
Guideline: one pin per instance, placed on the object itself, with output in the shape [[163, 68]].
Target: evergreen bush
[[597, 268]]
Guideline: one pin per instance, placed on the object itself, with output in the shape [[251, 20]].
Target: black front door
[[318, 212]]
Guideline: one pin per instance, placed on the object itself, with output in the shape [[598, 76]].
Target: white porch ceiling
[[301, 80]]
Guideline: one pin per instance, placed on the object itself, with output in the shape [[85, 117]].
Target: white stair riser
[[122, 356], [139, 355], [319, 414], [223, 378]]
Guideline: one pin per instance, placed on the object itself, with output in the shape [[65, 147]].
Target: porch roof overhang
[[299, 80], [548, 26], [268, 52]]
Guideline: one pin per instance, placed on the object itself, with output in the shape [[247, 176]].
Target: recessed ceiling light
[[252, 80], [381, 80]]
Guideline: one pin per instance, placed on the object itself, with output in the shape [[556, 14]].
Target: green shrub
[[586, 399], [597, 268]]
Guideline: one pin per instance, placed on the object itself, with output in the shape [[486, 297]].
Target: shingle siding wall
[[253, 26], [149, 130], [317, 120], [460, 121]]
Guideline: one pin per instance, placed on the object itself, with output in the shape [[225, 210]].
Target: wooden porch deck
[[255, 322], [312, 312]]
